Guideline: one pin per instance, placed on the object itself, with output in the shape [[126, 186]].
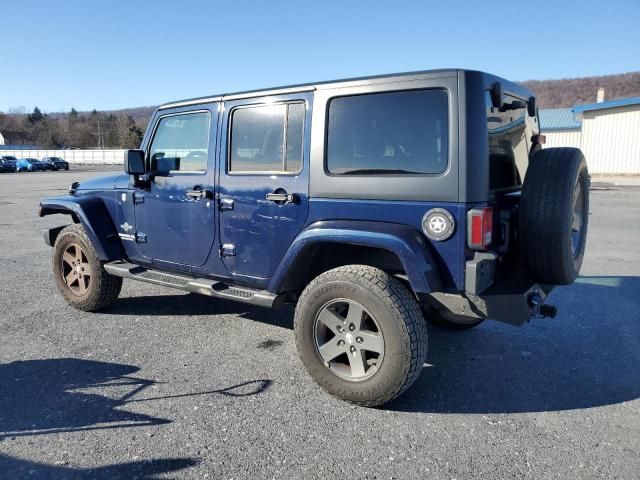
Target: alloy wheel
[[348, 339], [76, 270]]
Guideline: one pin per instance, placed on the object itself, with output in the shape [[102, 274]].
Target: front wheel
[[79, 274], [360, 334]]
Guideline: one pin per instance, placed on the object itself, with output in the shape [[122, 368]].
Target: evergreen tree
[[36, 116]]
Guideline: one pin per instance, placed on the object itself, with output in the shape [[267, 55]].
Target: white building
[[608, 133]]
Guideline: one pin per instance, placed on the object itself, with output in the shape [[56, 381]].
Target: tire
[[554, 215], [391, 323], [448, 320], [87, 292]]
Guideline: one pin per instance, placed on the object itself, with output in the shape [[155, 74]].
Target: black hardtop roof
[[488, 79]]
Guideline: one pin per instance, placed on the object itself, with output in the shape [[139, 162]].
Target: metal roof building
[[608, 132], [556, 119]]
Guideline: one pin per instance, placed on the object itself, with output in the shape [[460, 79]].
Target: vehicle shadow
[[196, 304], [588, 356], [16, 468], [69, 394]]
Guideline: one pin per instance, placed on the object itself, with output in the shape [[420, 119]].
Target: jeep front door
[[175, 212], [263, 181]]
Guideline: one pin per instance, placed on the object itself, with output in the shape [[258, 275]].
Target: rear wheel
[[360, 334], [554, 214], [79, 274]]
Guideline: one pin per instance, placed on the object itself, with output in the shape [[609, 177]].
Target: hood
[[102, 183]]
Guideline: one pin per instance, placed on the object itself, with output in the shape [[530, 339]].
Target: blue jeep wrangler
[[371, 204]]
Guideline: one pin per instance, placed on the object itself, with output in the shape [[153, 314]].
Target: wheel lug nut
[[352, 327], [359, 339], [340, 329], [340, 343], [352, 349]]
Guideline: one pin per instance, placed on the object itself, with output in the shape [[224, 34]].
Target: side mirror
[[134, 162], [497, 97], [161, 166], [531, 107]]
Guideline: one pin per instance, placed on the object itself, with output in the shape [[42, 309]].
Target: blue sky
[[117, 53]]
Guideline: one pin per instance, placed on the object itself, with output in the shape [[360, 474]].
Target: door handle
[[199, 193], [281, 197]]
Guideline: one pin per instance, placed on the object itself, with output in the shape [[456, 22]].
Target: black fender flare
[[92, 213], [409, 245]]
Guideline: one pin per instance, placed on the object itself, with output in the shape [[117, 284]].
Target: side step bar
[[203, 286]]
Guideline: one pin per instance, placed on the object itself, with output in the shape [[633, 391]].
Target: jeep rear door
[[264, 178]]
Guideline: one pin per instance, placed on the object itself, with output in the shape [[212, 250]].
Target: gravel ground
[[171, 385]]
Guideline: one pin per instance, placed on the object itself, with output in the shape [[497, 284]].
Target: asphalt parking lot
[[171, 385]]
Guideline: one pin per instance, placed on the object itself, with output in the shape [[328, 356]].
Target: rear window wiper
[[366, 171]]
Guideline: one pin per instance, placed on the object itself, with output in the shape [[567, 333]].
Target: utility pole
[[100, 139]]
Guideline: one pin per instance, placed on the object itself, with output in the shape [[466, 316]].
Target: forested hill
[[565, 92], [568, 92], [124, 128]]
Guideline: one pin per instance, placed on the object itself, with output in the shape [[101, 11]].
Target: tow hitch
[[537, 307]]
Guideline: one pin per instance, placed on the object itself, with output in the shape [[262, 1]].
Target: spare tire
[[554, 214]]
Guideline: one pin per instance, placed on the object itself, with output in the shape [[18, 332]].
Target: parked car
[[55, 163], [8, 163], [45, 165], [369, 204], [28, 165]]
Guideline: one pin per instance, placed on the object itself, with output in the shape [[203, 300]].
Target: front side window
[[388, 133], [184, 138], [267, 138]]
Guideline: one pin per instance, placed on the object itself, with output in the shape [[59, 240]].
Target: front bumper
[[50, 234]]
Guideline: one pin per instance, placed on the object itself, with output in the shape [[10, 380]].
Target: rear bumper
[[512, 301]]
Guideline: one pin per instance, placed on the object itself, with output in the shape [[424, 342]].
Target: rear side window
[[267, 138], [388, 133], [184, 137]]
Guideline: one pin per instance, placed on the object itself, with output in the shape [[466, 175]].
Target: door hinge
[[228, 250], [141, 237], [138, 198], [226, 204]]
